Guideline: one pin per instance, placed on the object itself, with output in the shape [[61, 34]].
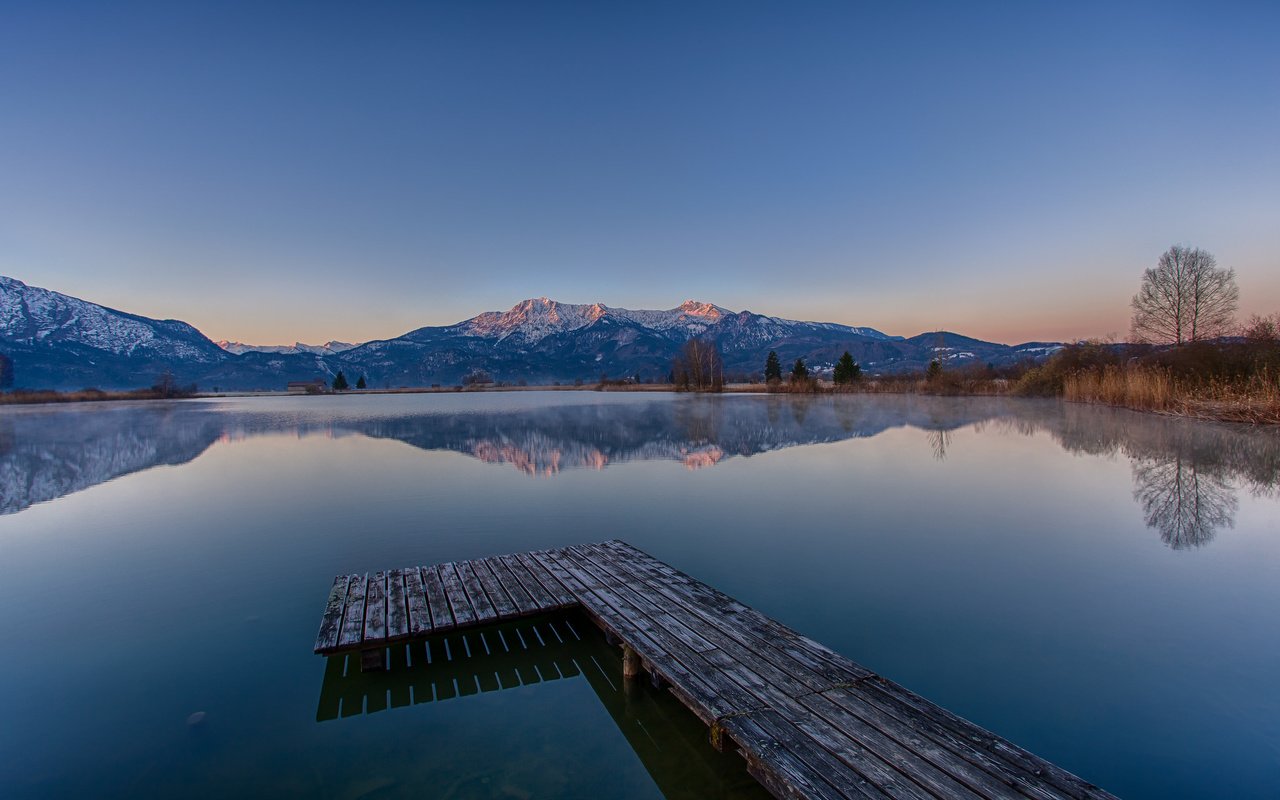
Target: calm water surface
[[1099, 586]]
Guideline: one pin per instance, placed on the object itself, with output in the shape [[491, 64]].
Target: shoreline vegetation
[[1235, 380]]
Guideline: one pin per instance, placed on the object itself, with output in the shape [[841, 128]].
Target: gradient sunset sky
[[273, 172]]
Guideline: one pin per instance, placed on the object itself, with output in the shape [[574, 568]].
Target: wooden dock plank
[[480, 603], [772, 760], [419, 609], [1032, 777], [522, 599], [541, 597], [626, 589], [810, 722], [441, 616], [331, 622], [375, 608], [397, 605], [502, 603], [560, 595], [464, 612], [746, 620], [353, 616]]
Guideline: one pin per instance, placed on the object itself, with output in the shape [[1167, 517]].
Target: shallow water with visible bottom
[[1097, 585]]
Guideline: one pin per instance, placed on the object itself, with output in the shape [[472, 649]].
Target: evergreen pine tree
[[361, 384], [772, 368], [934, 371], [847, 370], [799, 372], [340, 382]]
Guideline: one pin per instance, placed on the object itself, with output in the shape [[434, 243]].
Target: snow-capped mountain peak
[[327, 349], [696, 308], [533, 320], [38, 317]]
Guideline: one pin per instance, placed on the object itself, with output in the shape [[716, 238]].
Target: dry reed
[[1255, 400]]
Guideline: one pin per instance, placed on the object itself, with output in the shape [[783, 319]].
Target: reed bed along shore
[[1253, 400], [40, 396]]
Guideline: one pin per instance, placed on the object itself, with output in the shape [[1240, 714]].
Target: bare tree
[[699, 366], [1184, 298]]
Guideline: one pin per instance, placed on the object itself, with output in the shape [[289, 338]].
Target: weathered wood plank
[[560, 594], [933, 727], [441, 616], [480, 602], [353, 617], [459, 603], [331, 622], [621, 585], [419, 610], [772, 758], [375, 608], [397, 605], [523, 600], [817, 657], [929, 765], [541, 597], [502, 603]]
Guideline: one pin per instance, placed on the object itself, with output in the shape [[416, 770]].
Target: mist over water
[[1097, 585]]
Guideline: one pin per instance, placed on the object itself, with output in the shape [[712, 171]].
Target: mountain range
[[60, 342], [327, 349]]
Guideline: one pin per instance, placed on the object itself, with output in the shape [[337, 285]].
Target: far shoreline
[[1204, 412]]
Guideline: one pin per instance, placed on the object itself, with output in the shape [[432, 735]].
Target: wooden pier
[[810, 722]]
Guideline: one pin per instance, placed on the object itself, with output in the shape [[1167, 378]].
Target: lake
[[1097, 585]]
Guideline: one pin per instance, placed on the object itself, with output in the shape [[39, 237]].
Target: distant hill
[[61, 342]]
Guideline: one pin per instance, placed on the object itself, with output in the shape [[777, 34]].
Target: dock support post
[[630, 662]]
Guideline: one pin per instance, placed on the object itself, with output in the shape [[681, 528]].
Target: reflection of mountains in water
[[1186, 474], [695, 431], [47, 454]]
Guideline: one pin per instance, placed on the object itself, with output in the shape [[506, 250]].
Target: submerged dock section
[[810, 722]]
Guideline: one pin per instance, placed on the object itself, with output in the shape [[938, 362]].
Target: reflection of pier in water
[[669, 741]]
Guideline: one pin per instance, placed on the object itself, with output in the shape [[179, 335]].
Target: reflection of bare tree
[[1183, 500], [800, 409], [699, 421], [1187, 474], [939, 441]]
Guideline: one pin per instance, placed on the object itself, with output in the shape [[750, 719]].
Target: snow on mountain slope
[[38, 317], [533, 320], [327, 349]]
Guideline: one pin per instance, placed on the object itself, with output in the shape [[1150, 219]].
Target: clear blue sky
[[272, 171]]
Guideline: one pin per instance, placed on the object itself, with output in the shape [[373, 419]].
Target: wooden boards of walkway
[[366, 611], [810, 722]]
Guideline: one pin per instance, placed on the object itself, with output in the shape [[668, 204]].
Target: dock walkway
[[810, 722]]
